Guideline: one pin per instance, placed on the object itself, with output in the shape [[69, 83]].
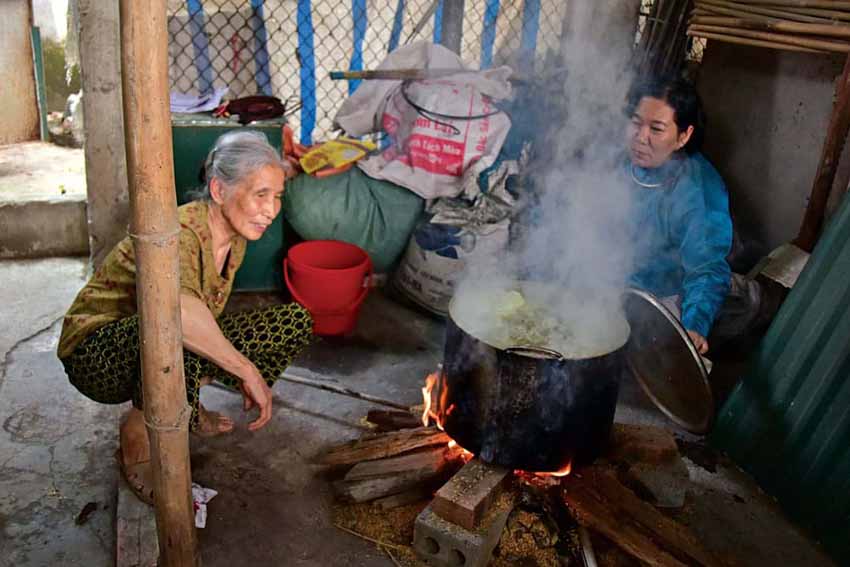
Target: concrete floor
[[38, 171], [56, 448]]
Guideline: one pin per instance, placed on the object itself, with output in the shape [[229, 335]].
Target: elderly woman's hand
[[255, 392], [699, 342]]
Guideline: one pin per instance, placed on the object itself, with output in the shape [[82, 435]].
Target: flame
[[430, 382], [559, 473]]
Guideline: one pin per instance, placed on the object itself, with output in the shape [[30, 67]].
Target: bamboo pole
[[754, 42], [836, 136], [155, 232], [836, 46], [738, 10], [829, 30], [832, 4]]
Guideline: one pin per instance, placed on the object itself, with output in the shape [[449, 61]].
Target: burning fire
[[559, 473], [433, 409]]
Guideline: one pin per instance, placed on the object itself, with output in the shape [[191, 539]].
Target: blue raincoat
[[683, 233]]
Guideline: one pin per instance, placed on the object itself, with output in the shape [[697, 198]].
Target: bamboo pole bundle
[[794, 25], [155, 233]]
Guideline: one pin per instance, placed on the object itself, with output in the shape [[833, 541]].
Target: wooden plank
[[392, 420], [136, 543], [600, 502], [836, 136], [468, 496], [429, 458], [641, 444], [424, 471], [383, 445]]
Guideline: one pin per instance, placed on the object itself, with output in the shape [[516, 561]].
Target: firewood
[[383, 445], [601, 503], [417, 494], [371, 480], [391, 420]]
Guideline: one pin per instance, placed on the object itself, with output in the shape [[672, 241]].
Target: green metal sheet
[[38, 70], [788, 421], [262, 269]]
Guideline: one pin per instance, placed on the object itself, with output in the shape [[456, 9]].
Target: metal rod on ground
[[155, 233], [587, 547], [342, 391]]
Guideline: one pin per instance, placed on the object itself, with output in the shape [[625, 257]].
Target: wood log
[[390, 420], [416, 494], [810, 43], [383, 445], [600, 502], [829, 30], [754, 42], [371, 480]]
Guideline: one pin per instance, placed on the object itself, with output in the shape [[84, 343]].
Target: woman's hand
[[255, 392], [699, 342], [202, 336]]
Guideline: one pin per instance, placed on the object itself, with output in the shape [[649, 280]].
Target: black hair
[[682, 96]]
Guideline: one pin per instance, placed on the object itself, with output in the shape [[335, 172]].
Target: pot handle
[[535, 352]]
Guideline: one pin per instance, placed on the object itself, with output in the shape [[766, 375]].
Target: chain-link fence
[[287, 48]]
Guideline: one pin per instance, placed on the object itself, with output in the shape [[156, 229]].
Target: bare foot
[[135, 445]]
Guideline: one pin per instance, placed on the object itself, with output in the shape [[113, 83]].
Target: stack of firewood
[[399, 464], [814, 26]]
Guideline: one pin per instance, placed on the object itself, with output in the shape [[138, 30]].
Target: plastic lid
[[666, 363]]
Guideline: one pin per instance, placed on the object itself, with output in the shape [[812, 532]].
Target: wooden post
[[452, 24], [155, 232], [836, 136]]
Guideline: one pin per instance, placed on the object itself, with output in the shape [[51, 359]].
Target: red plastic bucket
[[327, 278], [328, 274]]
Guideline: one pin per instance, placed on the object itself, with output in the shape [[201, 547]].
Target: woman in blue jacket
[[684, 230]]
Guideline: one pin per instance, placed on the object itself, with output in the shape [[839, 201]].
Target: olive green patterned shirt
[[110, 295]]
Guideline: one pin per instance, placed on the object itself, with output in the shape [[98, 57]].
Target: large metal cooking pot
[[526, 408]]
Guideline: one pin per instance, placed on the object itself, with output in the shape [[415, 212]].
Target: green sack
[[377, 216]]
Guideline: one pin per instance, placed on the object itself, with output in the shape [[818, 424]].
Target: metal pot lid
[[666, 363]]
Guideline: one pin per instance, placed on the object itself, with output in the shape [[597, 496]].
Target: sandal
[[139, 477], [208, 423]]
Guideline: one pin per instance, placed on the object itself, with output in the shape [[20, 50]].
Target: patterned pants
[[106, 366]]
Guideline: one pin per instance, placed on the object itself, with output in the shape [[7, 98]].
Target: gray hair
[[235, 156]]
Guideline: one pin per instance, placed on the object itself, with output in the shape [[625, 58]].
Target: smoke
[[576, 234]]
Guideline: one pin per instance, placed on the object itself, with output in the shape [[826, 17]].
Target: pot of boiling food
[[531, 373]]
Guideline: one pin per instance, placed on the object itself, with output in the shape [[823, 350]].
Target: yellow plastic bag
[[335, 154]]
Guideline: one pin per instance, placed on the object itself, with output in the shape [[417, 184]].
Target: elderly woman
[[682, 209], [99, 345]]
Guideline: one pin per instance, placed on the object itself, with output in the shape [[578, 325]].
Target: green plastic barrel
[[193, 137]]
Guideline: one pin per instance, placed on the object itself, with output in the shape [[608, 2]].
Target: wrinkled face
[[251, 205], [652, 133]]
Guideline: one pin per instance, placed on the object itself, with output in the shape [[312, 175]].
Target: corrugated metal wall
[[788, 422]]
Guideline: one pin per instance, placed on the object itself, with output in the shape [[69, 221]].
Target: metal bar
[[155, 232], [452, 24], [342, 391]]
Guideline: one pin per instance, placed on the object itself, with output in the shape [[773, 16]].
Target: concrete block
[[440, 543], [466, 498]]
